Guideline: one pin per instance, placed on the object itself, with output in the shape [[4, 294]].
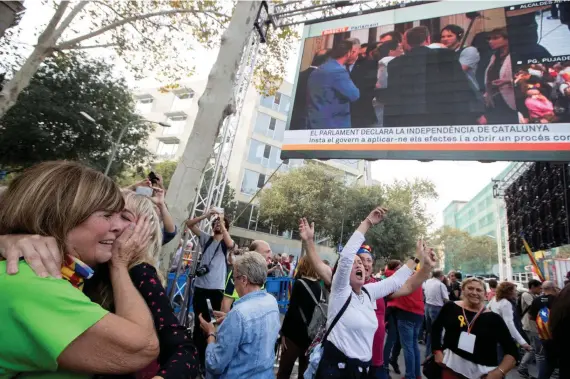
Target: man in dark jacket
[[427, 87], [299, 115]]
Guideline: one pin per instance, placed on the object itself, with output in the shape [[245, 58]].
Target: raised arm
[[427, 259], [341, 279], [193, 223], [307, 233], [227, 238]]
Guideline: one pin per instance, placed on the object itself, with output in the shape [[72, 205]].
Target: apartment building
[[255, 154]]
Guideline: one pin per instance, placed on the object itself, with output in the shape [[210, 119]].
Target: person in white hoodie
[[501, 304]]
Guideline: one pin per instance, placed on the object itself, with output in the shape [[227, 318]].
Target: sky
[[453, 180]]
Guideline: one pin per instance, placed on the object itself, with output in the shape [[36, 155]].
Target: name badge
[[467, 342]]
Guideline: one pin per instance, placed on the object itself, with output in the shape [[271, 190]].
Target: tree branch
[[61, 28], [93, 46], [47, 33], [72, 42]]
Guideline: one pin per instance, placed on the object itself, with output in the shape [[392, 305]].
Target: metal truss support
[[290, 13], [214, 177], [502, 235]]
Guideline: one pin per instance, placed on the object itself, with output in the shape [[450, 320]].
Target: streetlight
[[115, 145]]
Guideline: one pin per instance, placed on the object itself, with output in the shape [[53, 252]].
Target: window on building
[[285, 104], [144, 104], [166, 151], [176, 127], [279, 102], [182, 101], [267, 151], [269, 126], [252, 182], [260, 181]]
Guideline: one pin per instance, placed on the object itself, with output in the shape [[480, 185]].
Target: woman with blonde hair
[[49, 328], [472, 332], [305, 298], [501, 304]]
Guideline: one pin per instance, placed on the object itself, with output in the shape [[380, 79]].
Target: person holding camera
[[211, 272]]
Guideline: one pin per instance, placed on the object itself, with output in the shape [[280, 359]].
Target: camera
[[202, 270]]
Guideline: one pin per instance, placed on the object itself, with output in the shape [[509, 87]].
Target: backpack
[[319, 318], [519, 306]]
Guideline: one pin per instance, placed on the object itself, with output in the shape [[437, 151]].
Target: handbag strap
[[309, 290], [337, 317], [303, 317]]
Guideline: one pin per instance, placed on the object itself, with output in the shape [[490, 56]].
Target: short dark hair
[[499, 32], [437, 274], [319, 59], [493, 283], [226, 222], [393, 264], [458, 275], [417, 35], [386, 47], [341, 49], [394, 34], [455, 29], [534, 283]]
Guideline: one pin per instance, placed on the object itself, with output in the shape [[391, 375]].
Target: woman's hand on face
[[306, 230], [133, 239], [41, 253], [377, 215], [206, 326]]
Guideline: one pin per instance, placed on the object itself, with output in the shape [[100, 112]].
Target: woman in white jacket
[[501, 304], [348, 348]]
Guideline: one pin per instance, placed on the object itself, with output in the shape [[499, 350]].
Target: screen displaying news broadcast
[[448, 80]]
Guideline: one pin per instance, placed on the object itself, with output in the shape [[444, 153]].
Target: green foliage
[[470, 254], [45, 124], [318, 192]]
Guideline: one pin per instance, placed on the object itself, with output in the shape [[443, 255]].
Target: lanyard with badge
[[466, 339]]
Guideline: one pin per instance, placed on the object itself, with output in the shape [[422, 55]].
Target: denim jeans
[[432, 311], [392, 343], [409, 331], [548, 361], [535, 352]]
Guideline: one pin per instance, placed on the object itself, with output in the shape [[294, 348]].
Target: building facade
[[479, 217], [10, 14], [255, 155]]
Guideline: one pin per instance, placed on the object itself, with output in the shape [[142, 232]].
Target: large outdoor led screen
[[457, 80]]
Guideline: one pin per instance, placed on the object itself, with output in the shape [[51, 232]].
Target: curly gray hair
[[251, 265]]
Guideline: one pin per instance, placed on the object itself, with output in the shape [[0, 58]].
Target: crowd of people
[[543, 93], [81, 297], [424, 79]]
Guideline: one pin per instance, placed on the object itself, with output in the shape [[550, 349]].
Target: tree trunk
[[213, 107], [46, 41], [21, 79]]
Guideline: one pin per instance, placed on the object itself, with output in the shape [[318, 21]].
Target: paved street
[[512, 375]]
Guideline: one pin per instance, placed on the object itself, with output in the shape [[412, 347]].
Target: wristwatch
[[416, 260], [212, 335]]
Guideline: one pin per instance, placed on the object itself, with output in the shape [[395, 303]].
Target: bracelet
[[370, 221], [212, 335], [502, 372]]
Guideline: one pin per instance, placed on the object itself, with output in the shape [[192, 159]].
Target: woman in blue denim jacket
[[244, 344]]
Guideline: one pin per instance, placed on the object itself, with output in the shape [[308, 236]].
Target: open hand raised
[[306, 231]]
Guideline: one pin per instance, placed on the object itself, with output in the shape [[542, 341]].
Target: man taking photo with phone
[[212, 270]]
